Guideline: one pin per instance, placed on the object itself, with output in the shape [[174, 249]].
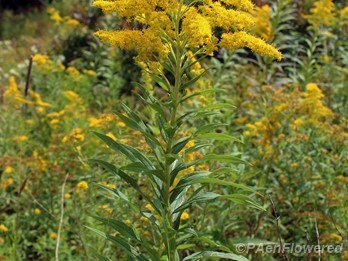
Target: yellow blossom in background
[[19, 138], [54, 122], [73, 72], [185, 216], [37, 211], [13, 96], [4, 183], [8, 170], [263, 26], [322, 13], [121, 124], [106, 208], [45, 65], [71, 21], [67, 196], [149, 207], [296, 200], [74, 136], [90, 72], [3, 228], [106, 184], [72, 97], [37, 99], [312, 103], [144, 219], [53, 235], [55, 16], [41, 59], [82, 185]]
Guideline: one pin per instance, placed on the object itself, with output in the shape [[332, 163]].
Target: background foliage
[[291, 115]]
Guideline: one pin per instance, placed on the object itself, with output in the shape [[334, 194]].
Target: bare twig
[[42, 206], [278, 229], [338, 231], [307, 245], [317, 233], [61, 216], [28, 76]]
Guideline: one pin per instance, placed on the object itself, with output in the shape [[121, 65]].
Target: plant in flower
[[174, 37]]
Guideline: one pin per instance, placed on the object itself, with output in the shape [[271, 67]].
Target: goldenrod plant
[[174, 36]]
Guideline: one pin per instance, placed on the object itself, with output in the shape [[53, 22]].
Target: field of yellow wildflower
[[174, 130]]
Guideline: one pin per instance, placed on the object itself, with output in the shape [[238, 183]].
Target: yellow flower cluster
[[3, 228], [322, 13], [242, 39], [313, 105], [13, 96], [45, 65], [82, 185], [4, 183], [198, 25], [263, 26], [58, 19], [76, 135], [102, 121]]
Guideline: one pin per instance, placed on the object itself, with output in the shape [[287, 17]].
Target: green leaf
[[219, 137], [197, 147], [210, 254], [222, 158], [113, 169], [132, 153], [201, 93], [121, 227], [242, 199], [209, 127], [128, 232], [199, 197], [192, 81], [223, 182], [121, 243], [180, 144], [185, 246], [218, 106]]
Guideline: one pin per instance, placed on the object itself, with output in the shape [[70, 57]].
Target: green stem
[[168, 220]]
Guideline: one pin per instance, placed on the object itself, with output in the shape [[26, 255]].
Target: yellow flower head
[[82, 185], [37, 211], [8, 170], [154, 38], [53, 235], [185, 216], [322, 13], [13, 96], [3, 228]]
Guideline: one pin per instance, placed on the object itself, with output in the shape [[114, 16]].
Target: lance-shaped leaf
[[131, 153], [211, 254], [131, 181], [129, 233], [201, 93], [209, 127], [180, 144], [199, 197], [222, 158], [218, 136], [121, 243], [243, 199]]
